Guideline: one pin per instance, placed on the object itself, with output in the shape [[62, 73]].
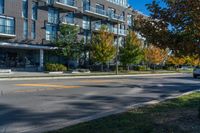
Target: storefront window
[[12, 58]]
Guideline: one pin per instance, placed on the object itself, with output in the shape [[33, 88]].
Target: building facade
[[28, 26]]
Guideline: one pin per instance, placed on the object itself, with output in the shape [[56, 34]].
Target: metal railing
[[116, 17], [123, 32], [67, 2], [95, 10]]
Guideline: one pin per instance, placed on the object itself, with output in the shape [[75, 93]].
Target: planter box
[[5, 70], [59, 72]]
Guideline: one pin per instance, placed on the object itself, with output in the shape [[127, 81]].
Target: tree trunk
[[128, 68], [108, 67], [154, 67], [102, 67]]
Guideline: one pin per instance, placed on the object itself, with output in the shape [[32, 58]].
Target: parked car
[[196, 72]]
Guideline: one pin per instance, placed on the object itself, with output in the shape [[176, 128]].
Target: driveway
[[41, 105]]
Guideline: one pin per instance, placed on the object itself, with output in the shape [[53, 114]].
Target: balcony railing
[[66, 5], [113, 30], [96, 11], [120, 31], [116, 17], [67, 2]]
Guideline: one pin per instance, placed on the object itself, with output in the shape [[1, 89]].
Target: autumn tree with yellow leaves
[[176, 60], [155, 55], [103, 49]]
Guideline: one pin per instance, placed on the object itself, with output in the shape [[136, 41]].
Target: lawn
[[179, 115]]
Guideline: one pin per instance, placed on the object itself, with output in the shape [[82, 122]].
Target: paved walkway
[[24, 75]]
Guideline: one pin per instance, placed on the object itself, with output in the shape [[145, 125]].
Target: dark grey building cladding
[[14, 8], [12, 35]]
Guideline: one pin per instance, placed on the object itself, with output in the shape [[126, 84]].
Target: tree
[[176, 60], [131, 52], [175, 26], [192, 60], [68, 43], [155, 55], [103, 49]]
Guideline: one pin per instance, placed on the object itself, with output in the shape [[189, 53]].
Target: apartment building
[[28, 26]]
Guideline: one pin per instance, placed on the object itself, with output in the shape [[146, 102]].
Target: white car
[[196, 72]]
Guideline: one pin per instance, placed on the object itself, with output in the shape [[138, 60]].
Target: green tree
[[131, 52], [175, 25], [103, 49], [68, 43]]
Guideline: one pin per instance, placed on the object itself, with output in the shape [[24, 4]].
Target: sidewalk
[[42, 75]]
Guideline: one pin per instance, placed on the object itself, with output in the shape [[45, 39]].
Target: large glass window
[[1, 6], [7, 25], [53, 16], [25, 8], [51, 31], [34, 11]]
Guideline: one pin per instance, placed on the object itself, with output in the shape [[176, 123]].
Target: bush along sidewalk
[[54, 67]]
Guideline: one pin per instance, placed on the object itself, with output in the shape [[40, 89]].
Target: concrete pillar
[[41, 60]]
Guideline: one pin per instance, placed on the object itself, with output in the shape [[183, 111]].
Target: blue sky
[[140, 5]]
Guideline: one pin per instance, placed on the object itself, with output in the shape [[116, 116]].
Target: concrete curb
[[52, 127], [86, 77]]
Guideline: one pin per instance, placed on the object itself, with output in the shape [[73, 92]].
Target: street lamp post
[[117, 50]]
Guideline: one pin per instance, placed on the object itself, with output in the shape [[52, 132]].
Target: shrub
[[55, 67], [139, 68]]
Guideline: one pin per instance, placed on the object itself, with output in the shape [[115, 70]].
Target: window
[[33, 31], [7, 25], [51, 31], [111, 12], [25, 30], [100, 9], [86, 4], [34, 11], [53, 16], [86, 22], [70, 18], [24, 8], [1, 6], [129, 20]]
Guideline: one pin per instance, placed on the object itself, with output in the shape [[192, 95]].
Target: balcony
[[95, 12], [116, 18], [7, 27], [121, 32], [65, 5]]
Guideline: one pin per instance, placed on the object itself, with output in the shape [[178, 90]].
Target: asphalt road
[[41, 105]]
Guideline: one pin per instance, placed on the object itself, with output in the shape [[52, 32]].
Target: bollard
[[1, 93]]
